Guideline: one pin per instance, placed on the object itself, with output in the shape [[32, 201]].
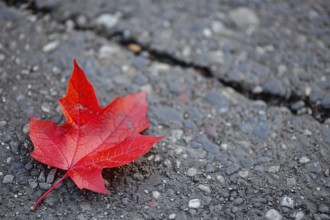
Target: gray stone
[[51, 176], [14, 146], [108, 50], [138, 176], [238, 201], [176, 135], [196, 115], [168, 115], [299, 215], [108, 21], [46, 4], [191, 172], [26, 128], [291, 182], [21, 178], [314, 167], [232, 169], [262, 130], [323, 208], [8, 179], [32, 183], [287, 202], [209, 168], [140, 80], [2, 123], [297, 105], [221, 179], [244, 17], [6, 138], [273, 214], [208, 145], [204, 188], [216, 99], [2, 57], [45, 186], [304, 160], [42, 177], [50, 46], [259, 169], [274, 87], [172, 216], [273, 169], [156, 195], [45, 107], [194, 204], [140, 62], [243, 173]]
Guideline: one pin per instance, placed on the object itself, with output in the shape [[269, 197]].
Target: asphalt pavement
[[240, 89]]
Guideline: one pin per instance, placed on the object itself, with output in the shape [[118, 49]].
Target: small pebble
[[259, 169], [6, 138], [8, 179], [191, 172], [209, 168], [45, 107], [221, 179], [42, 177], [3, 123], [304, 160], [234, 209], [290, 182], [26, 128], [176, 135], [51, 176], [125, 201], [172, 216], [108, 21], [45, 186], [2, 57], [50, 46], [194, 204], [299, 216], [323, 208], [273, 169], [232, 169], [138, 176], [314, 167], [272, 214], [156, 195], [32, 183], [287, 202], [238, 201], [204, 188], [243, 173]]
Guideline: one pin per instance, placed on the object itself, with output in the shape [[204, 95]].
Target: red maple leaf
[[93, 137]]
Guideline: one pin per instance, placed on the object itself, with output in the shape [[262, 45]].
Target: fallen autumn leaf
[[93, 137]]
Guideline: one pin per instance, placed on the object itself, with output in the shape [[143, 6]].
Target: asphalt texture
[[240, 89]]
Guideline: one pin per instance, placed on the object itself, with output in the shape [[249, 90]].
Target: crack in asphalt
[[318, 112]]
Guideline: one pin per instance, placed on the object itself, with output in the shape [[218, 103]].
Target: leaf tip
[[76, 66], [75, 62]]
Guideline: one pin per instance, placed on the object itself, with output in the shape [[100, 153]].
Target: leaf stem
[[34, 207]]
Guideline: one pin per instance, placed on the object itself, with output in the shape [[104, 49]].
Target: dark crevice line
[[163, 57], [318, 112]]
